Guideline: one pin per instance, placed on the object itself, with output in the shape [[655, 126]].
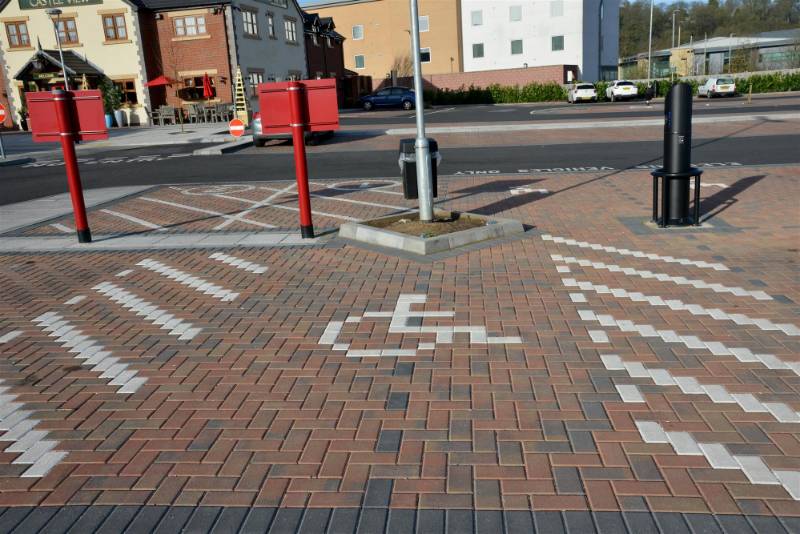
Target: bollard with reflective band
[[66, 131], [298, 127]]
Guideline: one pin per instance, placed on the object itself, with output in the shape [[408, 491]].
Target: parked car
[[717, 87], [389, 97], [582, 91], [259, 139], [620, 90]]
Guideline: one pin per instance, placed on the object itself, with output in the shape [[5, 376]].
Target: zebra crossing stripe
[[635, 253], [165, 320], [189, 280], [239, 263]]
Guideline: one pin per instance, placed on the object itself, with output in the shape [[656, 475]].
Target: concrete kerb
[[225, 148]]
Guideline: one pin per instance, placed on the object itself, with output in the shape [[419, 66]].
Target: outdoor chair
[[154, 117]]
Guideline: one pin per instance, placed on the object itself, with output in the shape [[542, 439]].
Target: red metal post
[[296, 103], [63, 113]]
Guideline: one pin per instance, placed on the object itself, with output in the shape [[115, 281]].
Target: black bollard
[[677, 169]]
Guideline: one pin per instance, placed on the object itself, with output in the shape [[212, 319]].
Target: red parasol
[[208, 91], [161, 80]]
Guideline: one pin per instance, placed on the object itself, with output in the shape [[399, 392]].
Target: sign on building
[[47, 4]]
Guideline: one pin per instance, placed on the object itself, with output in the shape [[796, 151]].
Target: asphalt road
[[174, 165], [556, 112]]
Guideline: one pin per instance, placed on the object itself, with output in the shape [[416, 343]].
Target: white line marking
[[208, 212], [62, 228], [75, 300], [351, 201], [9, 336], [716, 348], [634, 253], [189, 280], [694, 309], [719, 457], [124, 273], [524, 190], [722, 186], [131, 218], [239, 263], [282, 207], [661, 277], [255, 206], [154, 314]]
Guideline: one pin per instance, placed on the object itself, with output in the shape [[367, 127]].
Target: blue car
[[389, 97]]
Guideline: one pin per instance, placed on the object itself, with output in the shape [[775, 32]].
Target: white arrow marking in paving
[[10, 336], [239, 263], [203, 286], [661, 277], [62, 228], [136, 220], [399, 324], [19, 426], [716, 348], [151, 312], [93, 353], [719, 457], [718, 394], [634, 253], [523, 190], [208, 212], [678, 305]]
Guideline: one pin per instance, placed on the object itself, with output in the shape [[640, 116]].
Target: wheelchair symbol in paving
[[399, 324]]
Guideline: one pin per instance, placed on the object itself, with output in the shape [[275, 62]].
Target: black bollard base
[[84, 236], [675, 197], [307, 232]]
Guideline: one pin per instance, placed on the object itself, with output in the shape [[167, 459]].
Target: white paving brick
[[756, 470], [651, 432], [718, 456], [684, 443], [598, 336], [189, 280], [629, 393]]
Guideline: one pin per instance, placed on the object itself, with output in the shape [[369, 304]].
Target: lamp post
[[421, 146], [650, 48], [730, 57], [55, 15], [674, 11]]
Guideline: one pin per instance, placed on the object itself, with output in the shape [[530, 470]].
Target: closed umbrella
[[208, 91]]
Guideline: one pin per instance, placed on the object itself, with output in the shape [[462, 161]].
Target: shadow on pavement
[[726, 197]]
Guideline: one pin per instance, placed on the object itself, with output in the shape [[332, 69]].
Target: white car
[[582, 91], [620, 90], [717, 87]]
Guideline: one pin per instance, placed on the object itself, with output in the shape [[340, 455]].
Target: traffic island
[[448, 231]]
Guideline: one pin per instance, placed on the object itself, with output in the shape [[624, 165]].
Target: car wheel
[[368, 106], [407, 105], [260, 143], [613, 97]]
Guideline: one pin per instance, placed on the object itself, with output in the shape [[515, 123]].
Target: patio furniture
[[167, 114], [196, 113], [154, 116]]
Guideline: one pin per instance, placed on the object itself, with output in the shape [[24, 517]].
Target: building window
[[358, 32], [67, 31], [424, 23], [515, 13], [516, 46], [477, 50], [477, 18], [280, 3], [193, 88], [17, 35], [253, 79], [557, 43], [359, 60], [294, 75], [290, 27], [250, 20], [127, 88], [557, 8], [188, 26], [425, 55], [114, 27], [271, 25]]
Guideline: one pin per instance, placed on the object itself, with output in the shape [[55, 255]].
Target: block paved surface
[[648, 377]]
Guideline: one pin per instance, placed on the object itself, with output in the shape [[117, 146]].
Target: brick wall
[[328, 61], [169, 56], [481, 79]]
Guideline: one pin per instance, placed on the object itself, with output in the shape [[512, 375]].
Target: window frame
[[114, 27], [66, 31], [521, 47], [120, 85], [511, 13], [289, 22], [472, 14], [430, 56], [556, 8], [252, 86], [27, 36], [279, 3], [183, 26], [363, 61], [483, 50], [353, 32], [253, 22], [271, 25], [427, 23], [553, 43]]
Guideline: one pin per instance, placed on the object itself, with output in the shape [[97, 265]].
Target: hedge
[[553, 92]]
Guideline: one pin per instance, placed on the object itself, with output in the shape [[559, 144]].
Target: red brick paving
[[253, 411]]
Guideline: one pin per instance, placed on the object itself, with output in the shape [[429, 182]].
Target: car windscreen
[[725, 81], [585, 86]]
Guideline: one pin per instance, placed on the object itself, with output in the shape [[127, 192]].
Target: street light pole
[[650, 47], [57, 14], [674, 11], [730, 57], [421, 146]]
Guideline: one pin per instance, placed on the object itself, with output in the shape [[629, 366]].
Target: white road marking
[[661, 277], [702, 185], [74, 300], [719, 457], [378, 189], [718, 393], [124, 273], [524, 190], [208, 212], [199, 284], [10, 336], [678, 305], [86, 348], [255, 206], [131, 218], [399, 324], [151, 312], [62, 228], [239, 263], [351, 201], [634, 253], [716, 348], [291, 208]]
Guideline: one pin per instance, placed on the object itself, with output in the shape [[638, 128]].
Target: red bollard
[[301, 169], [66, 130]]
